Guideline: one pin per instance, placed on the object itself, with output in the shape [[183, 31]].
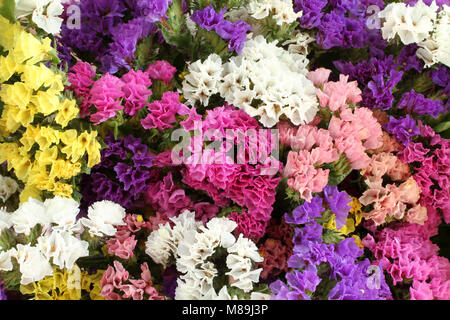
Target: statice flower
[[416, 103], [105, 95], [235, 33], [162, 113], [441, 77], [403, 129], [339, 203], [161, 70]]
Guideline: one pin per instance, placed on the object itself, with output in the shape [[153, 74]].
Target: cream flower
[[103, 217], [33, 264]]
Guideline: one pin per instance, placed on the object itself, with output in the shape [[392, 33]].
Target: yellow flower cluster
[[353, 220], [45, 155], [66, 285]]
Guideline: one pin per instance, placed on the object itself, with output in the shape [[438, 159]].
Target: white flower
[[5, 220], [28, 215], [63, 212], [33, 264], [413, 24], [159, 245], [8, 187], [49, 21], [24, 8], [246, 249], [221, 228], [282, 10], [436, 49], [269, 82], [241, 272], [103, 217], [203, 80], [299, 43], [190, 289], [5, 259], [63, 248], [260, 296]]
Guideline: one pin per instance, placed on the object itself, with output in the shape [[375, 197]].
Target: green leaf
[[7, 8], [441, 127]]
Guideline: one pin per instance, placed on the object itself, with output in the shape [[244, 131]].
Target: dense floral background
[[315, 162]]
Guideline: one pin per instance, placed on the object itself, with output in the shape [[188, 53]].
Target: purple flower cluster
[[107, 32], [117, 179], [316, 263], [340, 23], [378, 76], [235, 33], [416, 103], [441, 77], [2, 293], [403, 129]]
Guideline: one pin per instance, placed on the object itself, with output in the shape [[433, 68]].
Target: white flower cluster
[[420, 24], [49, 21], [265, 81], [282, 10], [193, 244], [8, 187], [59, 242]]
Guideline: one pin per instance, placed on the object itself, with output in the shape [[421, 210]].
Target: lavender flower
[[402, 129], [416, 103], [338, 203], [303, 214]]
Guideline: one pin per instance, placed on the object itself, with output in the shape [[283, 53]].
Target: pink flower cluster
[[334, 95], [116, 284], [431, 168], [124, 242], [162, 112], [391, 201], [354, 133], [242, 183], [109, 94], [161, 70], [315, 148], [406, 252], [165, 197]]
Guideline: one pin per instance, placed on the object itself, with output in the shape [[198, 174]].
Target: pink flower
[[303, 176], [162, 112], [409, 191], [421, 291], [417, 214], [161, 70], [105, 96], [81, 78], [354, 151], [135, 91], [122, 248], [319, 76], [336, 95]]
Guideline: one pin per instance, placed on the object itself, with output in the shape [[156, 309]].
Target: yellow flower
[[68, 111], [93, 150], [28, 49], [7, 68], [64, 169], [8, 32], [17, 94], [46, 102], [22, 167], [10, 123], [47, 156], [17, 116], [37, 76], [62, 189], [46, 137], [358, 241], [65, 285], [30, 192], [29, 137], [8, 150]]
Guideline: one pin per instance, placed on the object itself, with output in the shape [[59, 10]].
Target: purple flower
[[300, 282], [441, 77], [2, 293], [416, 103], [303, 214], [348, 248], [338, 203], [402, 129], [208, 18], [312, 12], [408, 58]]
